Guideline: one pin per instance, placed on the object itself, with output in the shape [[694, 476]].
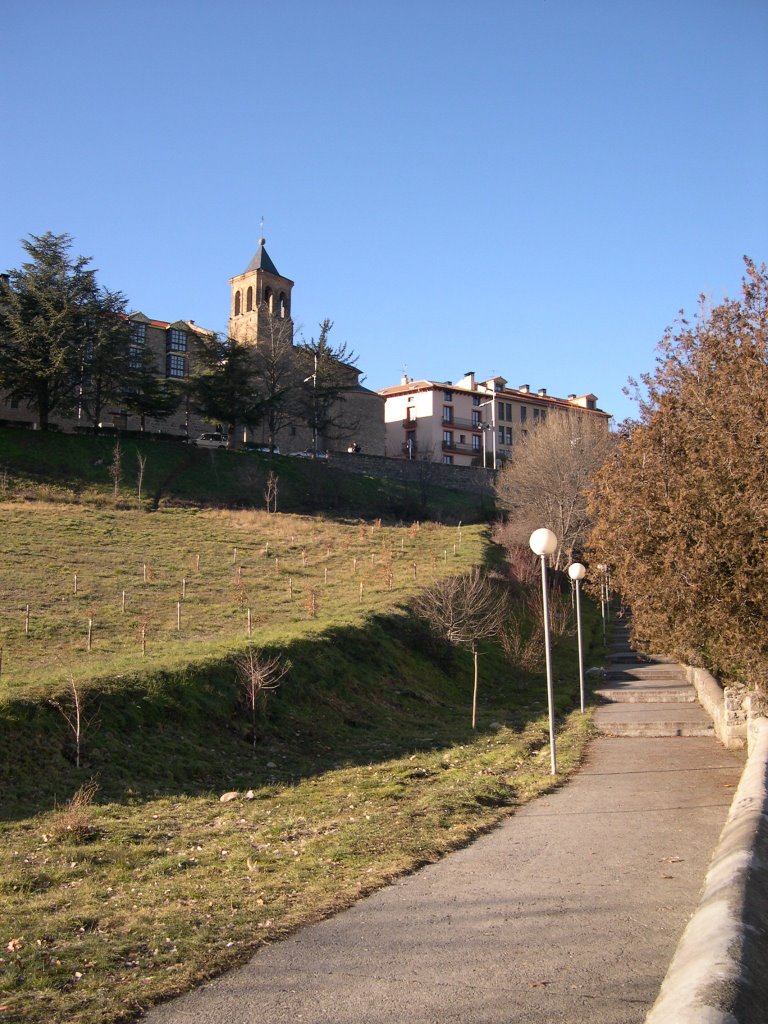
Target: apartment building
[[470, 422]]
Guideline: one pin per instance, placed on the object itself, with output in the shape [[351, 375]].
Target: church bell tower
[[261, 301]]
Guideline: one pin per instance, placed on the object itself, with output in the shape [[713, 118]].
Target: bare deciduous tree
[[464, 610], [116, 467], [71, 708], [546, 481], [270, 491], [258, 673], [141, 461]]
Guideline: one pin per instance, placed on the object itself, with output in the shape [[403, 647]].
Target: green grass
[[187, 580], [76, 468], [365, 764], [366, 768]]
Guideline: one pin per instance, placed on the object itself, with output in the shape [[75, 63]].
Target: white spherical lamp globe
[[543, 542], [577, 571]]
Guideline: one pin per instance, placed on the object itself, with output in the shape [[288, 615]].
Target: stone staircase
[[647, 696]]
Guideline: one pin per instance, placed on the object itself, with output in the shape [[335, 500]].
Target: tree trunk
[[474, 691]]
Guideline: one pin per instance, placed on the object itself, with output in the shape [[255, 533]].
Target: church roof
[[261, 261]]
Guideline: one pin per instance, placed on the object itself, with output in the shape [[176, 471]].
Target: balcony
[[410, 423], [458, 424], [460, 449]]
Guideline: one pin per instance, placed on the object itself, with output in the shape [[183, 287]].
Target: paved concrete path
[[569, 912]]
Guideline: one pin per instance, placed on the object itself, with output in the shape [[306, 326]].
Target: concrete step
[[670, 675], [653, 719], [654, 695]]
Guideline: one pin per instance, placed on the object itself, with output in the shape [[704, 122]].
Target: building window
[[477, 418], [237, 303], [177, 340], [501, 435], [135, 354], [535, 414], [509, 437], [176, 366], [447, 439], [447, 396], [448, 460], [138, 333], [543, 414], [283, 306], [523, 413], [447, 414], [268, 298], [476, 443], [249, 300], [475, 399]]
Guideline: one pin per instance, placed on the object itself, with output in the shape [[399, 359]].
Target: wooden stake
[[290, 587], [143, 639], [326, 575], [90, 632], [75, 582], [145, 572], [249, 622], [234, 555], [361, 591], [277, 566], [26, 622], [122, 604], [197, 563], [354, 565], [414, 570], [183, 587], [178, 615], [1, 661]]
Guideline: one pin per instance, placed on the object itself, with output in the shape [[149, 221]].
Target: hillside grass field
[[78, 468], [128, 879]]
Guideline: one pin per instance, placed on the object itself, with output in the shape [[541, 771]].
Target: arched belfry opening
[[261, 298]]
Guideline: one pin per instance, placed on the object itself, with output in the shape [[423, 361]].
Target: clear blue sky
[[530, 188]]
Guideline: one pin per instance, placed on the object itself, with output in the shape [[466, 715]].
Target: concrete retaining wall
[[726, 706], [718, 973]]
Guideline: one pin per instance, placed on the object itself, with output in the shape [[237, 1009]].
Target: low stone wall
[[728, 706], [418, 471], [718, 973]]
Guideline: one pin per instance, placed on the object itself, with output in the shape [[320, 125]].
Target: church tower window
[[237, 303], [283, 306], [268, 298], [249, 300]]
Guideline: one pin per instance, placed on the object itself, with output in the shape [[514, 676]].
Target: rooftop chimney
[[525, 388], [571, 397], [542, 392]]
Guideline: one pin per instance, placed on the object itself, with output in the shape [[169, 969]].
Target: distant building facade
[[467, 423], [260, 314]]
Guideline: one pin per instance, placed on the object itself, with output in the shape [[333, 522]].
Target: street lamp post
[[492, 403], [543, 543], [577, 572], [313, 377]]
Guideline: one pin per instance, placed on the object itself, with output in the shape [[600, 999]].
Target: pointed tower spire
[[259, 295]]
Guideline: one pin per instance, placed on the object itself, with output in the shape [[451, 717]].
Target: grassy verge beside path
[[130, 904]]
